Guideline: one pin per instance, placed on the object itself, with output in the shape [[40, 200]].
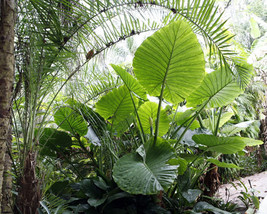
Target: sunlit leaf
[[148, 115], [171, 58], [224, 145], [219, 87]]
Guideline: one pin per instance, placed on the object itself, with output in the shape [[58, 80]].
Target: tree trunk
[[7, 207], [7, 24], [29, 189], [211, 180]]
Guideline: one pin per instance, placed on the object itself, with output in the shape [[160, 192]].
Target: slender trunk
[[7, 24], [29, 193], [7, 207]]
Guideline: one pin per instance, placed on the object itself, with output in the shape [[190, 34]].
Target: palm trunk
[[29, 193], [7, 24]]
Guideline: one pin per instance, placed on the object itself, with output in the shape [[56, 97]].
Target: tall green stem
[[197, 113], [143, 136], [176, 131], [218, 122], [158, 115], [172, 124]]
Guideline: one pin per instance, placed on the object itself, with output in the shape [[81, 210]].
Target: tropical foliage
[[90, 137]]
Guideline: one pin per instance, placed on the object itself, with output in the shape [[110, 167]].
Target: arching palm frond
[[70, 33]]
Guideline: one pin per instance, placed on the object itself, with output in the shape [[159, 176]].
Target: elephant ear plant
[[169, 65]]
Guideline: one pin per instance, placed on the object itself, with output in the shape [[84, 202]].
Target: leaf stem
[[143, 136], [197, 113], [218, 122], [172, 123], [158, 115]]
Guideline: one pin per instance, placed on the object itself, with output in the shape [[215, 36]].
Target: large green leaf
[[116, 105], [223, 164], [219, 87], [146, 172], [171, 58], [191, 195], [70, 120], [183, 118], [131, 83], [249, 141], [148, 114], [233, 129], [224, 145], [122, 125], [93, 119], [210, 123], [53, 140], [182, 163]]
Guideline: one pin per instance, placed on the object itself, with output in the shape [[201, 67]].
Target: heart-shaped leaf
[[223, 164], [131, 83], [115, 106], [224, 145], [218, 87], [171, 59], [148, 114], [249, 141], [137, 175], [70, 120], [53, 140]]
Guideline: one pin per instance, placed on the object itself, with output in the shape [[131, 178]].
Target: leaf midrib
[[114, 115]]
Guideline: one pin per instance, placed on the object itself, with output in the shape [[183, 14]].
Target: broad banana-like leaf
[[131, 83], [219, 87], [70, 120], [146, 173], [171, 59], [210, 124], [223, 164], [115, 106], [224, 145], [148, 115]]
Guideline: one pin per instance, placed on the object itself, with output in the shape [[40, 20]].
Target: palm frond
[[67, 30]]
